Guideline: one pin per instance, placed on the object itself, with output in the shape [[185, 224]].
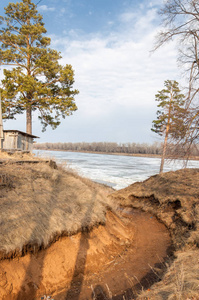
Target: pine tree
[[170, 116], [37, 81]]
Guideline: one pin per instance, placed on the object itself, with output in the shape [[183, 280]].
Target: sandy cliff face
[[69, 238], [173, 198], [62, 236], [108, 261]]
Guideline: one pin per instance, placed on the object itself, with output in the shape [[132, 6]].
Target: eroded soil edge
[[110, 261]]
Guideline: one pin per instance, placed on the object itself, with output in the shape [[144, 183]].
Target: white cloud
[[118, 77], [155, 3], [145, 22], [62, 10], [127, 17], [46, 8]]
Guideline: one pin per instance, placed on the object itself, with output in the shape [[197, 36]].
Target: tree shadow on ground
[[99, 292], [28, 289], [75, 288]]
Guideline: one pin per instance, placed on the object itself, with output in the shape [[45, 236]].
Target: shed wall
[[10, 140], [17, 141]]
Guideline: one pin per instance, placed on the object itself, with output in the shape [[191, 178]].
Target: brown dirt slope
[[94, 249], [173, 198], [40, 203], [108, 262]]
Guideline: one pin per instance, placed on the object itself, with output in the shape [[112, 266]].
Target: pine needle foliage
[[36, 81], [170, 115]]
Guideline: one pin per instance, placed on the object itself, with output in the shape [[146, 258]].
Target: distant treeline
[[105, 147], [109, 147]]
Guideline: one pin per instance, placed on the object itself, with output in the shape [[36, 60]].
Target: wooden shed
[[15, 140]]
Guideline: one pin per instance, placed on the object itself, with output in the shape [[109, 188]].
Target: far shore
[[118, 153]]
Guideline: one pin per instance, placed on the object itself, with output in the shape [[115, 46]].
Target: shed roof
[[23, 133]]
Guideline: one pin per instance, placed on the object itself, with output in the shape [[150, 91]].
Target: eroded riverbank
[[112, 260]]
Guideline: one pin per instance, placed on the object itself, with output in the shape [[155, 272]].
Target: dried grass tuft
[[38, 204]]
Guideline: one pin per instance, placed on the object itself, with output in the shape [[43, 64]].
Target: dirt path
[[111, 262]]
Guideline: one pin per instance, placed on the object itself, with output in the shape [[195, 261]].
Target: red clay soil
[[110, 262]]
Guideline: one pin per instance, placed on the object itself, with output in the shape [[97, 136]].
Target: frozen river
[[115, 170]]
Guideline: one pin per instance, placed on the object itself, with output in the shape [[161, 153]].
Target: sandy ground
[[110, 262], [174, 199], [66, 237]]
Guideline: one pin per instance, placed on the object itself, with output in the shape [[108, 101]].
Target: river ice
[[114, 170]]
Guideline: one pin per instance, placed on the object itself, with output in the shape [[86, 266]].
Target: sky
[[109, 45]]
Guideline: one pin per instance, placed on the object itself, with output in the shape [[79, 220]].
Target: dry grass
[[173, 198], [38, 204], [180, 282], [15, 155]]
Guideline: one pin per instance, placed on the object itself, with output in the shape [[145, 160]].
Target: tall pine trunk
[[164, 149], [29, 96], [167, 131], [29, 120]]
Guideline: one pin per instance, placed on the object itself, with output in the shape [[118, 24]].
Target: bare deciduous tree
[[180, 20]]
